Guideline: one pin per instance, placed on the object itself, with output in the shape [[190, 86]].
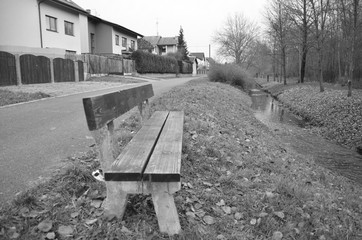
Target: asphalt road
[[36, 137]]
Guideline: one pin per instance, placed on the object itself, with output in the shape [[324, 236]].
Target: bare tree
[[320, 10], [236, 37], [299, 14], [278, 28]]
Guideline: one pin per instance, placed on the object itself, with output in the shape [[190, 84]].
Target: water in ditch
[[292, 130]]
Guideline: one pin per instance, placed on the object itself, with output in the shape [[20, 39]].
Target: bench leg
[[116, 201], [165, 208]]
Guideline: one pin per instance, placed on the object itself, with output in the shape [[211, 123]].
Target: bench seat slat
[[165, 162], [131, 163]]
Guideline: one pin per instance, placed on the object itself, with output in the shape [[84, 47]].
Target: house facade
[[162, 45], [60, 26], [110, 38]]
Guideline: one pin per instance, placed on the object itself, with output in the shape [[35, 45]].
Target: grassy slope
[[7, 97], [338, 117], [239, 182]]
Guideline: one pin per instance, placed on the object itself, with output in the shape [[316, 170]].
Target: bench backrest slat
[[133, 159], [165, 162], [100, 110]]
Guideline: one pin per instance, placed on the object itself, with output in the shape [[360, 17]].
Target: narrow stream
[[291, 129]]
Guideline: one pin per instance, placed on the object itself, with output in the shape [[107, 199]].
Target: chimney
[[89, 11]]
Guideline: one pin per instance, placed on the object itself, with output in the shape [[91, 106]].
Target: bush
[[151, 63], [231, 74], [185, 67]]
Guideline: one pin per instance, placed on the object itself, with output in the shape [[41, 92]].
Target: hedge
[[151, 63]]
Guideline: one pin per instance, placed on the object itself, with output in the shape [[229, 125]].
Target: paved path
[[35, 137]]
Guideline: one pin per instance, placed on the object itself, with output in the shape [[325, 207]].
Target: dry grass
[[235, 171], [9, 97]]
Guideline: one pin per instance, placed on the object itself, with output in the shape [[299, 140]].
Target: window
[[124, 42], [69, 28], [51, 23], [163, 49], [133, 45], [92, 43], [117, 40]]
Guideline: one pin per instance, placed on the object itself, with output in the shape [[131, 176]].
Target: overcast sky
[[198, 18]]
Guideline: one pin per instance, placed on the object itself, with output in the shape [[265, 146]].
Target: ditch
[[294, 133]]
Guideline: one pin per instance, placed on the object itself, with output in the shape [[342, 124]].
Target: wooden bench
[[151, 161]]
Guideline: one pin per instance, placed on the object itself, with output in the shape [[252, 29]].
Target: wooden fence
[[18, 69], [7, 69]]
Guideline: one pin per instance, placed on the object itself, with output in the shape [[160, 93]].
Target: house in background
[[107, 38], [59, 27], [200, 59], [162, 45]]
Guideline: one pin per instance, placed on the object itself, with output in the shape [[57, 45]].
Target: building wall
[[19, 23], [83, 25], [103, 35], [91, 30], [59, 39], [117, 49], [171, 48]]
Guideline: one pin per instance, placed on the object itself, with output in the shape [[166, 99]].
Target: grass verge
[[239, 181], [8, 97]]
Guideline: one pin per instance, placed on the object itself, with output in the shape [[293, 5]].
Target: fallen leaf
[[198, 206], [190, 214], [200, 213], [45, 225], [238, 216], [74, 214], [279, 214], [96, 203], [277, 235], [207, 184], [226, 209], [65, 230], [253, 221], [220, 237], [50, 235], [125, 230], [90, 221], [263, 214], [209, 220], [221, 203], [15, 235]]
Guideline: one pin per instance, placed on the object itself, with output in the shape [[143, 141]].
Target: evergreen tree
[[182, 45]]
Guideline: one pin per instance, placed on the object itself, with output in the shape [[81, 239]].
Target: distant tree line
[[316, 40]]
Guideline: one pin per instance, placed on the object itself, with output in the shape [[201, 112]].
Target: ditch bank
[[330, 114]]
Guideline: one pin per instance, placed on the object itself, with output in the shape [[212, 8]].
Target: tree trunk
[[303, 63], [284, 63], [304, 44], [320, 66]]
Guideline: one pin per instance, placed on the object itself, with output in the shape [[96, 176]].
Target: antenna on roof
[[157, 26]]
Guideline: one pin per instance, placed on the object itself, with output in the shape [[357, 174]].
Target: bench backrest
[[100, 110]]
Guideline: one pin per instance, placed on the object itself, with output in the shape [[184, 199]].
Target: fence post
[[76, 72], [51, 70], [123, 66], [18, 69]]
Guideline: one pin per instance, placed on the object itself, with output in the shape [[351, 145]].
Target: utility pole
[[209, 50], [157, 26]]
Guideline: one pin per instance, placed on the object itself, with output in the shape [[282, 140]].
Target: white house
[[162, 45], [59, 26]]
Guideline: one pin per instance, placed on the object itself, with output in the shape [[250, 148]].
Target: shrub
[[231, 74], [185, 67], [151, 63]]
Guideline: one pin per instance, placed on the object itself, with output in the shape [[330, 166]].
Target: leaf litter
[[274, 193]]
